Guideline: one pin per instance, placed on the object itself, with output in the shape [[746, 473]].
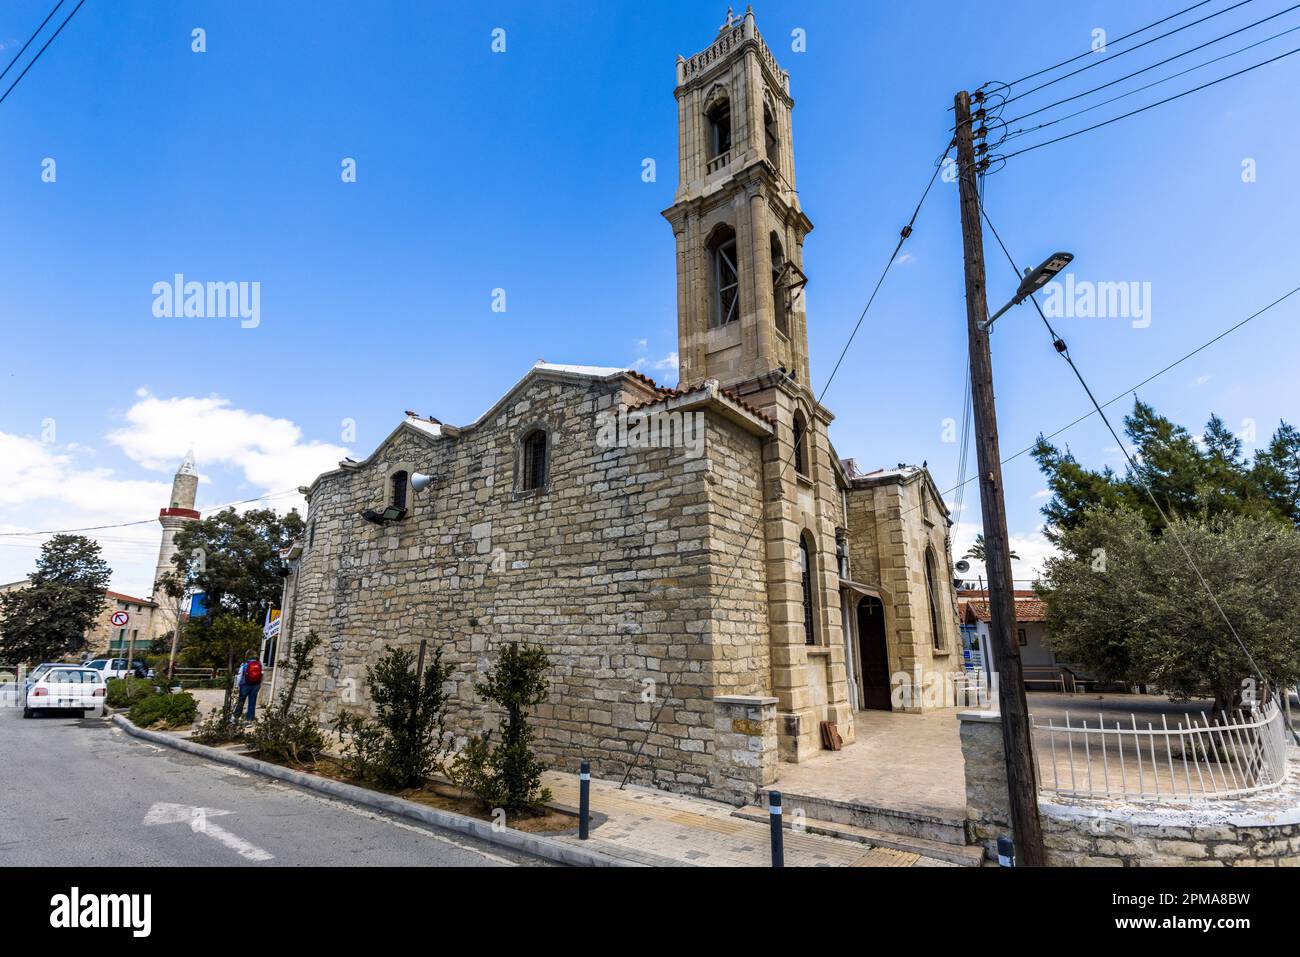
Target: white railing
[[1109, 758]]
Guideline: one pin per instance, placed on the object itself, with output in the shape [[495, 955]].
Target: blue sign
[[197, 608]]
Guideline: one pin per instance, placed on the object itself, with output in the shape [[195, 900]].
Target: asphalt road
[[80, 792]]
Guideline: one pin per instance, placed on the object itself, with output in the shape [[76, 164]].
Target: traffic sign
[[120, 618]]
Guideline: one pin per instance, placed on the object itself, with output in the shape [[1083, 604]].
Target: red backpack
[[253, 673]]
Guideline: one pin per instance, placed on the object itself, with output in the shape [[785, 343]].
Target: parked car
[[67, 687], [119, 668], [39, 670]]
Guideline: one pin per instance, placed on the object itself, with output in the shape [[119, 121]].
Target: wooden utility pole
[[1016, 733]]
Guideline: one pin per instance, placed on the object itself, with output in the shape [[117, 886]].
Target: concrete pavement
[[82, 792]]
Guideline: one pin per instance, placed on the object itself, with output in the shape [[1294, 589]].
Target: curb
[[537, 845]]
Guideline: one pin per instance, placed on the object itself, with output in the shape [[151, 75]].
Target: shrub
[[287, 736], [169, 710], [508, 775], [124, 692], [217, 728], [284, 733], [405, 743]]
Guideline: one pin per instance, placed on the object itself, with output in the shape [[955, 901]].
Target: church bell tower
[[741, 320], [736, 215]]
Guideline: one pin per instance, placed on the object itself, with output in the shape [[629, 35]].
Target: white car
[[69, 687], [116, 667]]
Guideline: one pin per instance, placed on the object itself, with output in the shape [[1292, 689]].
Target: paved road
[[78, 791]]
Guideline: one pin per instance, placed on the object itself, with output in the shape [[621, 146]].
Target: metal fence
[[1194, 761]]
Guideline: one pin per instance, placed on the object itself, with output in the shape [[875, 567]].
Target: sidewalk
[[653, 827]]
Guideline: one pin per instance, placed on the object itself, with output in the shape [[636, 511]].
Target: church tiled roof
[[667, 393]]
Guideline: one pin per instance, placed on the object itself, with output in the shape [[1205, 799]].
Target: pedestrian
[[250, 682]]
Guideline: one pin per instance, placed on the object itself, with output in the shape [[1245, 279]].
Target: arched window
[[397, 496], [719, 116], [533, 461], [771, 137], [800, 444], [932, 598], [724, 277], [780, 302], [806, 573]]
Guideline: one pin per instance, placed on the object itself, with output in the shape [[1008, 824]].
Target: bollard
[[778, 839], [584, 799], [1006, 852]]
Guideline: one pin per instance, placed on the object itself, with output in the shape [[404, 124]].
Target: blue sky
[[522, 170]]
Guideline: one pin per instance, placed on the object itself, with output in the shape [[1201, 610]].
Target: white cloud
[[1043, 493], [905, 259], [669, 361], [1032, 547], [46, 486], [270, 452], [1200, 380]]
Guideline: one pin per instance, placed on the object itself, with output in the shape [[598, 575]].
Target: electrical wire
[[1090, 52], [1160, 63], [34, 35], [1150, 106], [1105, 60], [1173, 76], [1064, 352], [20, 76]]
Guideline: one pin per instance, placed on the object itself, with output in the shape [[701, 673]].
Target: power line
[[34, 35], [1064, 352], [1130, 390], [1176, 56], [40, 51], [1147, 86], [147, 521], [1104, 60], [1149, 106], [1088, 53], [903, 236]]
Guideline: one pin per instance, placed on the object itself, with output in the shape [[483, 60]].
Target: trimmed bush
[[124, 692], [167, 710]]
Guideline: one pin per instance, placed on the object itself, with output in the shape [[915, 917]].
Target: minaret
[[178, 513]]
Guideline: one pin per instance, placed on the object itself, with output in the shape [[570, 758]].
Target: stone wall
[[631, 567], [892, 521], [1261, 830]]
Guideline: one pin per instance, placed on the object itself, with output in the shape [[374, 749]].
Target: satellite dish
[[420, 481], [962, 566]]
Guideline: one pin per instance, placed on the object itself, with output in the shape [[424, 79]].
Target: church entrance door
[[873, 655]]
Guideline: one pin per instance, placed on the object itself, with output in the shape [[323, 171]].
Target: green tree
[[49, 619], [976, 551], [1206, 478], [234, 559], [516, 683], [1127, 606]]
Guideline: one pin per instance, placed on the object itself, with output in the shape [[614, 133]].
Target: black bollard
[[1006, 852], [778, 839], [584, 799]]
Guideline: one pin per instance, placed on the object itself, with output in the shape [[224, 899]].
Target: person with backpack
[[250, 682]]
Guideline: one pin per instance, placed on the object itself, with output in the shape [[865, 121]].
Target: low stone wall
[[1261, 830], [745, 745]]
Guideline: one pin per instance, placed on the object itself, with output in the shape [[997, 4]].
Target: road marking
[[199, 821], [394, 822]]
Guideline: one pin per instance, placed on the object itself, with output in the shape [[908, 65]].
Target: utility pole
[[1016, 733]]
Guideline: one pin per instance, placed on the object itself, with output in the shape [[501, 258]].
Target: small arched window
[[724, 277], [800, 444], [932, 597], [779, 300], [806, 577], [533, 461], [771, 137], [719, 116], [397, 497]]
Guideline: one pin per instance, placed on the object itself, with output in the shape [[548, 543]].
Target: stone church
[[719, 603]]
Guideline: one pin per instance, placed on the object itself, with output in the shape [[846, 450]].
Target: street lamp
[[1034, 280]]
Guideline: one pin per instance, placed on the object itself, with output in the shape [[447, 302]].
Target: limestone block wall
[[1261, 830], [892, 522], [630, 567]]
